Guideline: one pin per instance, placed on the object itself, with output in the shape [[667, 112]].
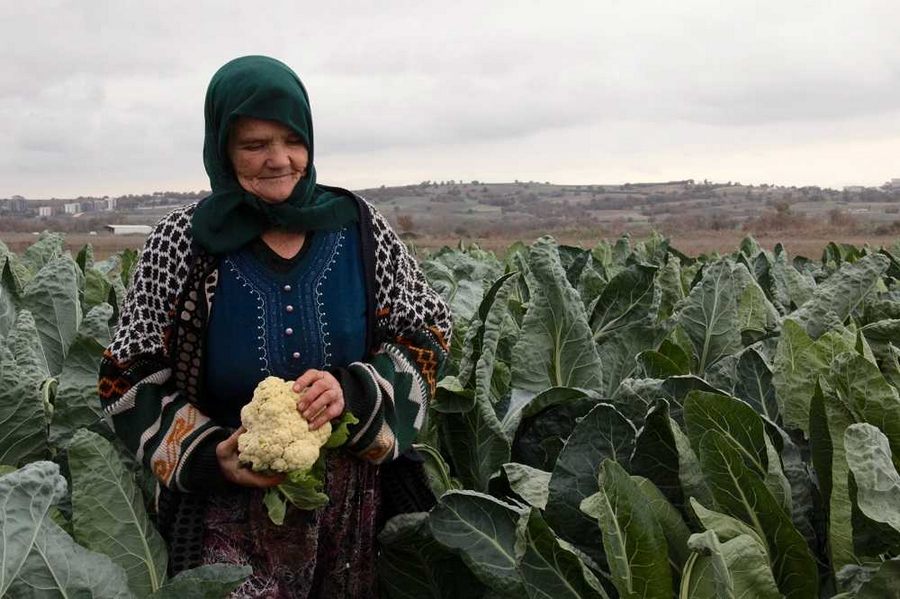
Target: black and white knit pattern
[[158, 279], [164, 265], [401, 285]]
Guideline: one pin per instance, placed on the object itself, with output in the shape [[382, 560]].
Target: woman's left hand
[[323, 400]]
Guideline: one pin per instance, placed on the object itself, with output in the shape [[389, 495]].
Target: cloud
[[107, 97]]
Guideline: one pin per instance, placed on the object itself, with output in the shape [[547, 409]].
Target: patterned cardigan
[[151, 377]]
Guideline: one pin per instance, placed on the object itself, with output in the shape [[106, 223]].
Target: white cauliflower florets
[[278, 438]]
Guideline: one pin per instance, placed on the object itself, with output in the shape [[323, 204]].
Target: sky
[[106, 98]]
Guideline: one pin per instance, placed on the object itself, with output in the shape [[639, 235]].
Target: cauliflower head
[[278, 438]]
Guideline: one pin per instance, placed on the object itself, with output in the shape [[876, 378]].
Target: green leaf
[[754, 384], [657, 366], [733, 419], [47, 248], [676, 354], [735, 568], [8, 305], [878, 483], [529, 483], [483, 337], [590, 284], [339, 431], [305, 489], [632, 537], [724, 526], [617, 354], [475, 443], [109, 516], [525, 405], [827, 421], [488, 534], [77, 404], [459, 277], [550, 570], [96, 289], [881, 334], [436, 470], [670, 520], [37, 557], [603, 433], [670, 287], [791, 288], [775, 479], [451, 397], [555, 347], [96, 324], [756, 314], [52, 298], [862, 389], [656, 455], [799, 476], [799, 361], [211, 581], [412, 565], [840, 294], [743, 495], [24, 342], [129, 257], [85, 257], [884, 584], [23, 423], [709, 316], [693, 483], [276, 506], [26, 497], [545, 426], [628, 298], [634, 397]]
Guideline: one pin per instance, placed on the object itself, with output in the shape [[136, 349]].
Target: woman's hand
[[323, 400], [227, 453]]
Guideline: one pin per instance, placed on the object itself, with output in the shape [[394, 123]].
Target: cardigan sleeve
[[138, 392], [389, 392]]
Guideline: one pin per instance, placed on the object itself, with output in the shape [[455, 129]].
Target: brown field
[[804, 242]]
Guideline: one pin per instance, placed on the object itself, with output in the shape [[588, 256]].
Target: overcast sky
[[107, 97]]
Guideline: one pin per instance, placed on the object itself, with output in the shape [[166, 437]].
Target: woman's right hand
[[234, 471]]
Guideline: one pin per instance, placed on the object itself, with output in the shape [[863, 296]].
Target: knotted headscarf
[[263, 88]]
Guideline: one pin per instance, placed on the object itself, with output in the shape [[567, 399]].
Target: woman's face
[[268, 158]]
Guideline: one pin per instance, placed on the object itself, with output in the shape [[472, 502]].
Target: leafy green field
[[622, 421]]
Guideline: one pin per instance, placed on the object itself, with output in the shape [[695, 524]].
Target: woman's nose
[[278, 156]]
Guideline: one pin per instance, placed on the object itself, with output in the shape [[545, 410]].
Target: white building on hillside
[[45, 211], [129, 229]]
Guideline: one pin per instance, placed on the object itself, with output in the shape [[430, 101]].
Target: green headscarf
[[263, 88]]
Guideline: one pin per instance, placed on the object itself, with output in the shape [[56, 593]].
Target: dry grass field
[[807, 242]]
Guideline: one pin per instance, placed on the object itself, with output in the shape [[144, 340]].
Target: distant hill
[[466, 209], [479, 209]]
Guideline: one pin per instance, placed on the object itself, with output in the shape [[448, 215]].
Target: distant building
[[894, 183], [72, 208], [854, 188], [110, 204], [45, 211], [129, 229]]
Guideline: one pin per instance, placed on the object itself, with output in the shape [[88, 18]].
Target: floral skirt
[[329, 552]]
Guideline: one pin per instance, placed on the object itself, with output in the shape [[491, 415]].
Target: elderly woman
[[272, 274]]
